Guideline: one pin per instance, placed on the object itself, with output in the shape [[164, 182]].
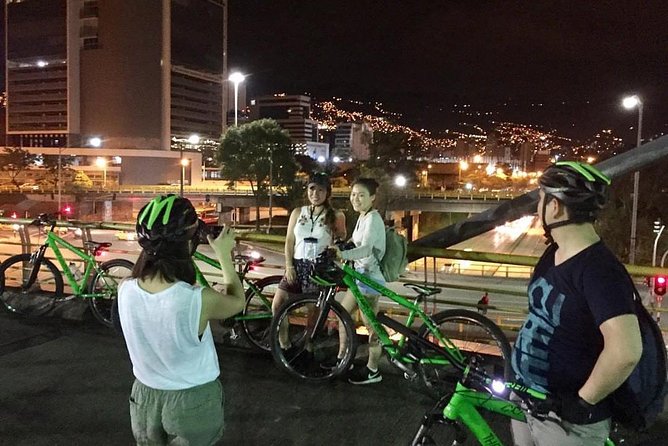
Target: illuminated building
[[351, 140], [291, 112], [113, 70]]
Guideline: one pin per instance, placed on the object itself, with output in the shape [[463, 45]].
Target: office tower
[[292, 112], [135, 74]]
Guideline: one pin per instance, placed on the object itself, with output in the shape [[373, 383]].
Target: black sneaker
[[364, 375]]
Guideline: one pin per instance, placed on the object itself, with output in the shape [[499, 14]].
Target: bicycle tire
[[298, 360], [256, 331], [473, 334], [442, 434], [107, 283], [15, 299]]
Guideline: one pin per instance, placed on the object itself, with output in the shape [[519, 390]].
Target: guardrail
[[437, 266], [419, 194]]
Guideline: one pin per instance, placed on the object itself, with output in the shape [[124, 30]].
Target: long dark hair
[[170, 268], [322, 179]]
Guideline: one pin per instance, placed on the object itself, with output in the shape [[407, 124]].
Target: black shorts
[[303, 283]]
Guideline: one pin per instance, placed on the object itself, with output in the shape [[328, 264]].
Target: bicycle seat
[[96, 246], [422, 289]]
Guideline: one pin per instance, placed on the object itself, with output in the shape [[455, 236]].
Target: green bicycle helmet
[[582, 188], [166, 225]]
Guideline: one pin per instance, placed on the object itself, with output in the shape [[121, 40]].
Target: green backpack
[[395, 260]]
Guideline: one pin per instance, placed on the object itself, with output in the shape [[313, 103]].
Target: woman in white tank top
[[165, 317], [311, 230]]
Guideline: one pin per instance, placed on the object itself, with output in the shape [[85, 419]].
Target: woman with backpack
[[369, 240]]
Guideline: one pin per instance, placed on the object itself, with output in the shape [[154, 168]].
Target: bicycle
[[314, 321], [457, 413], [31, 284], [256, 316]]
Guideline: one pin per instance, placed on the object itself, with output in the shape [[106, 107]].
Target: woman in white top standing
[[311, 230], [176, 397], [369, 239]]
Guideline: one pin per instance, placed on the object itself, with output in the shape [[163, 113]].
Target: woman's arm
[[290, 273], [340, 226], [217, 305]]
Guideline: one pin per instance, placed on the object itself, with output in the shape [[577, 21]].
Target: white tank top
[[311, 225], [161, 333]]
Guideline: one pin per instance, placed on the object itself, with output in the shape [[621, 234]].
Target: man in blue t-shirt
[[581, 339]]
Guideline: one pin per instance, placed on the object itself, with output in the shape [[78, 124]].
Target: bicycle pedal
[[234, 335], [410, 376]]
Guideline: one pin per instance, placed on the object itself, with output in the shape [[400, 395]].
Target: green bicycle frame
[[394, 350], [199, 277], [463, 407], [55, 242]]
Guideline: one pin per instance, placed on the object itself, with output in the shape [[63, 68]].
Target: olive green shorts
[[191, 417]]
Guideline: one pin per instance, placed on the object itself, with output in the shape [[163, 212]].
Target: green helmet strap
[[155, 207]]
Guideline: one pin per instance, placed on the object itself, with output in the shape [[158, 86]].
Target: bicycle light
[[498, 387]]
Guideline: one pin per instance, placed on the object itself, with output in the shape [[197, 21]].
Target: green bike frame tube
[[54, 242], [350, 280]]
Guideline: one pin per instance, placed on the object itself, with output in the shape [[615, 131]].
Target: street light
[[102, 164], [400, 181], [631, 102], [95, 141], [184, 162], [236, 78], [271, 185], [463, 165], [658, 230], [193, 140]]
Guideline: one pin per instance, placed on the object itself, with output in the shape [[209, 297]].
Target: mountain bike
[[457, 414], [314, 322], [31, 284], [256, 316]]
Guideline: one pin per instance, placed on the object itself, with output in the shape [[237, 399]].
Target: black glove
[[576, 410]]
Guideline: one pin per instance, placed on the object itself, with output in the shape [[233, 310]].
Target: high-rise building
[[351, 140], [136, 74], [292, 112]]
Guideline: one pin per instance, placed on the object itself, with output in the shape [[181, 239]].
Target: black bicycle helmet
[[322, 180], [165, 226], [582, 188]]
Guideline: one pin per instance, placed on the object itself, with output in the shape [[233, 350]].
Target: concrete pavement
[[67, 383]]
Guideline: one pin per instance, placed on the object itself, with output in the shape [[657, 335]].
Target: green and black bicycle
[[31, 284], [254, 321], [315, 320], [457, 413]]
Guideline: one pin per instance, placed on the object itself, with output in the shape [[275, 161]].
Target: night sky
[[576, 58]]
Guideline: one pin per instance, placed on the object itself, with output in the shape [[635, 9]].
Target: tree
[[246, 152], [81, 180], [14, 161], [614, 222], [50, 164]]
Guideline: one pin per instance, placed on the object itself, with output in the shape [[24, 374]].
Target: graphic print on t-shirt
[[530, 357]]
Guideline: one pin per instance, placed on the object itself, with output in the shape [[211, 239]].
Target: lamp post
[[102, 164], [463, 165], [271, 185], [60, 180], [631, 102], [236, 78], [193, 140], [184, 163], [658, 230]]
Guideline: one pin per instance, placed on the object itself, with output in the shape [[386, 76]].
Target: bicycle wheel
[[308, 353], [33, 300], [104, 288], [446, 433], [255, 320], [474, 335]]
